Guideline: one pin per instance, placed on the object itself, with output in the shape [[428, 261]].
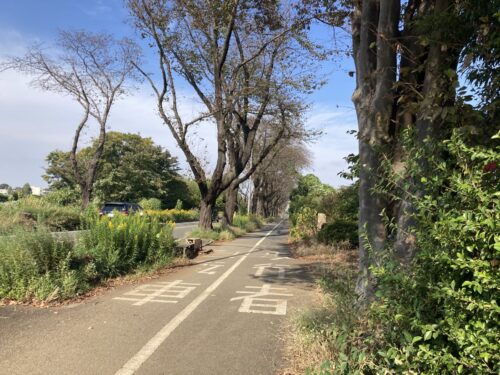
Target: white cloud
[[335, 144]]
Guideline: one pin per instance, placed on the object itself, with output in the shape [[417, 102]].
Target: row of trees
[[244, 60]]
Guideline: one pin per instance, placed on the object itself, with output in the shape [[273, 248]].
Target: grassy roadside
[[37, 267], [317, 335]]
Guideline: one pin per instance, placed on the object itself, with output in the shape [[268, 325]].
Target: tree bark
[[374, 25], [86, 194], [206, 209], [434, 92], [231, 203]]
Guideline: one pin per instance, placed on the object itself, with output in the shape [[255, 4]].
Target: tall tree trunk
[[206, 209], [374, 23], [86, 194], [435, 92], [231, 203]]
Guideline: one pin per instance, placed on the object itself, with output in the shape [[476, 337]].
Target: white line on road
[[147, 350]]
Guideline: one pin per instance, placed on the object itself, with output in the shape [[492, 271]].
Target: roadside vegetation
[[33, 212], [321, 333], [174, 215], [440, 315], [37, 266]]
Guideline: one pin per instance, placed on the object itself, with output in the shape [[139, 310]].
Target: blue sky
[[32, 123]]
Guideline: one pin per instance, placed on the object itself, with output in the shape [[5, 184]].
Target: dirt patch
[[306, 339]]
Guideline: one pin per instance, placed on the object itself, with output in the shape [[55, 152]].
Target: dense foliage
[[174, 215], [33, 212], [132, 168], [37, 265], [122, 243], [340, 206]]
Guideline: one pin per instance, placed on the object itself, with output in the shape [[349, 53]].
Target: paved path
[[181, 229], [223, 315]]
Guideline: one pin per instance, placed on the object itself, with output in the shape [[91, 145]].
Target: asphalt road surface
[[181, 229], [223, 315]]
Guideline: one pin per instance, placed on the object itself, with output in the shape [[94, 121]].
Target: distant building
[[4, 192], [36, 190]]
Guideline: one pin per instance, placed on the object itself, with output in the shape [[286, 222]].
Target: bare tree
[[277, 176], [245, 62], [284, 125], [93, 69]]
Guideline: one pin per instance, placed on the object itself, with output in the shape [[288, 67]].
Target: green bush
[[440, 314], [248, 223], [123, 243], [339, 231], [241, 225], [36, 265], [63, 197], [150, 204], [306, 223], [174, 215]]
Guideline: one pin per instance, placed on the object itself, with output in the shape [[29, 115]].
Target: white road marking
[[147, 350], [211, 267], [159, 292], [262, 267], [277, 255], [250, 303]]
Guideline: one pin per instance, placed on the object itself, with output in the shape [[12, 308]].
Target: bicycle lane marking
[[134, 363]]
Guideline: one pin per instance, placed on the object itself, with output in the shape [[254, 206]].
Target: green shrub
[[241, 225], [306, 222], [248, 223], [33, 212], [122, 243], [63, 197], [440, 314], [151, 204], [174, 215], [339, 231], [178, 205], [36, 265]]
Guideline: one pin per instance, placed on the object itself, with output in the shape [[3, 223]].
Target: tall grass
[[318, 336], [241, 224], [248, 223], [36, 265], [122, 243], [33, 212]]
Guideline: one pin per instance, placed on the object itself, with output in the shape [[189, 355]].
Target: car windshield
[[111, 207]]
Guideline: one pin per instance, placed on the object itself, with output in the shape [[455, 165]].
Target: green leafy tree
[[25, 191], [132, 168], [309, 193]]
